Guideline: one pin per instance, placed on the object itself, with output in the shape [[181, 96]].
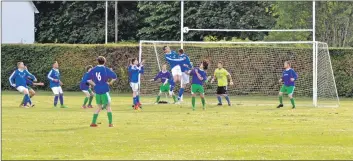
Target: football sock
[[110, 117]]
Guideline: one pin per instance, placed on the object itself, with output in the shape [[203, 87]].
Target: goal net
[[256, 68]]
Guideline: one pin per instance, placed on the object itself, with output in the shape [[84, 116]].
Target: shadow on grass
[[68, 129]]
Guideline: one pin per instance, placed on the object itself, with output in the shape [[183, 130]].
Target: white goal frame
[[315, 60]]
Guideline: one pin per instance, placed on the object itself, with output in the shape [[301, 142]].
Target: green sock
[[280, 99], [90, 100], [292, 101], [174, 98], [158, 98], [193, 103], [94, 120], [203, 102], [85, 101], [110, 117]]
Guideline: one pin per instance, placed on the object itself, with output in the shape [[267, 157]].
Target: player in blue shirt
[[55, 85], [135, 69], [199, 77], [98, 77], [289, 76], [185, 67], [175, 62], [167, 83], [86, 89], [18, 79], [31, 91]]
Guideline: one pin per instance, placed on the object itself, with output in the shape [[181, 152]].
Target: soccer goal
[[255, 67]]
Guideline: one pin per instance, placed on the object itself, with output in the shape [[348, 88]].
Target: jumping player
[[185, 67]]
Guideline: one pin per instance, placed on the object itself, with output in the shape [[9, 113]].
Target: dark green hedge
[[73, 58]]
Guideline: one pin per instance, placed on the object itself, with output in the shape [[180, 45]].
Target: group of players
[[101, 77]]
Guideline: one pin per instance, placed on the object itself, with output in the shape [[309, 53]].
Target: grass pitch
[[173, 132]]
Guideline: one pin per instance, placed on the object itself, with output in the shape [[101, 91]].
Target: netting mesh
[[255, 68]]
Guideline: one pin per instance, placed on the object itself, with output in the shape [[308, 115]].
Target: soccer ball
[[185, 29]]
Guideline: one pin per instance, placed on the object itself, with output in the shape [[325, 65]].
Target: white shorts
[[176, 71], [134, 87], [185, 78], [57, 90], [22, 89]]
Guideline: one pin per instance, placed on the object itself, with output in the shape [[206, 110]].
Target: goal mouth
[[255, 67]]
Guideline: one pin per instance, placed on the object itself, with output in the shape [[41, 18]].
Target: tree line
[[82, 22]]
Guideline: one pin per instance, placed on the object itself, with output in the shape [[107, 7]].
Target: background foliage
[[84, 23], [73, 58]]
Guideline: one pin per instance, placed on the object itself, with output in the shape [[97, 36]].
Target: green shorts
[[165, 88], [287, 89], [196, 88], [103, 99]]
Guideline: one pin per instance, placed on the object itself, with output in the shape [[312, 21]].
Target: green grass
[[173, 132]]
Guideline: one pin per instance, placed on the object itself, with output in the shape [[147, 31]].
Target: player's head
[[180, 51], [220, 64], [101, 60], [204, 65], [88, 68], [287, 64], [166, 49], [164, 67], [134, 61], [55, 65], [20, 65]]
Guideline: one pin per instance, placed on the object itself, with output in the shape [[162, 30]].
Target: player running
[[289, 76], [55, 85], [18, 80], [134, 72], [31, 91], [86, 89], [98, 77], [199, 77], [167, 83], [175, 62], [221, 75], [185, 67]]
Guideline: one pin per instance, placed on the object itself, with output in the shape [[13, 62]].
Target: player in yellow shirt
[[222, 76]]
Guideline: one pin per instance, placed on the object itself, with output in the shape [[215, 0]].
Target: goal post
[[255, 67]]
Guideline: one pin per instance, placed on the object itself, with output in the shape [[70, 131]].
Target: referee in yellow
[[222, 76]]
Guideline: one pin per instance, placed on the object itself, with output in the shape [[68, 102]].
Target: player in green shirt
[[222, 76]]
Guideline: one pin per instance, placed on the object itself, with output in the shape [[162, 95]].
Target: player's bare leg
[[280, 96], [95, 116]]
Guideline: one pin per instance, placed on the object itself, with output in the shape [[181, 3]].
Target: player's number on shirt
[[98, 75]]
